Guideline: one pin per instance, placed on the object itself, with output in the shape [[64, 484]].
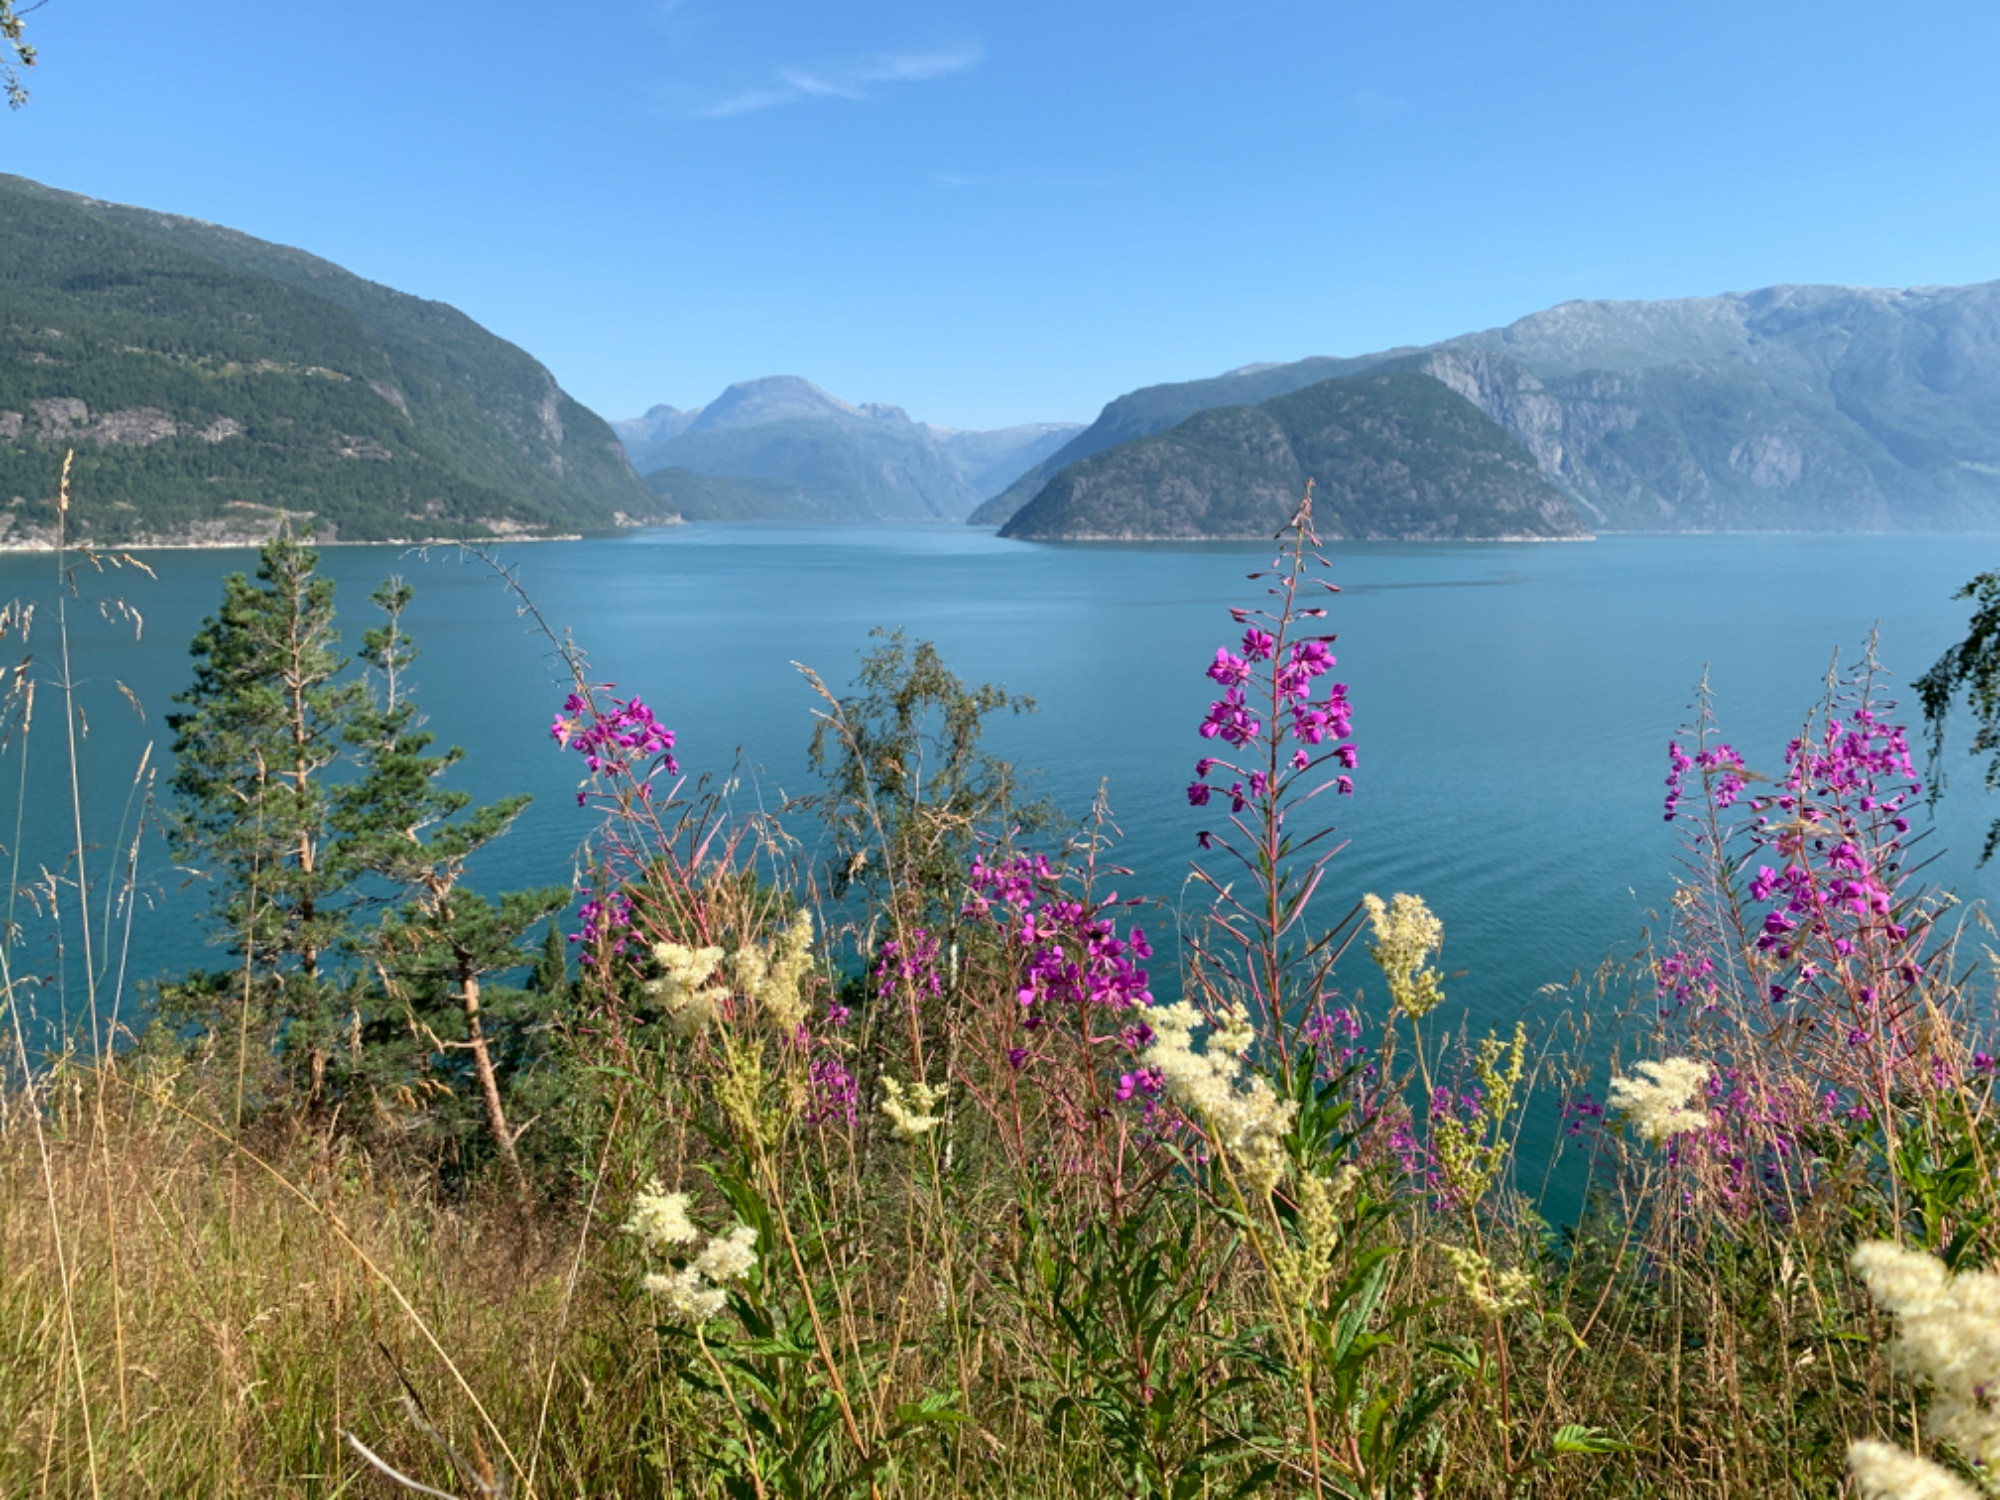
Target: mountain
[[725, 497], [857, 463], [659, 424], [1396, 456], [1796, 408], [206, 380], [993, 459], [1156, 408]]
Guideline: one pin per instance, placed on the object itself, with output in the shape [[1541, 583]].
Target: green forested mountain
[[1794, 408], [1393, 456], [206, 380], [1155, 408]]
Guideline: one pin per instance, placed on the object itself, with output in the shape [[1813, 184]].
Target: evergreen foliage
[[1969, 671], [313, 799], [261, 723]]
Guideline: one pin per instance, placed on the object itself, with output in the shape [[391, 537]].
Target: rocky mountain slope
[[869, 462], [1793, 408], [207, 380], [1393, 455]]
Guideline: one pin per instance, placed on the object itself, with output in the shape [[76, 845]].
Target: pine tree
[[261, 724], [434, 952], [551, 972]]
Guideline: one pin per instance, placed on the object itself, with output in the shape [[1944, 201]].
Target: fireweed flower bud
[[1406, 935], [1657, 1101]]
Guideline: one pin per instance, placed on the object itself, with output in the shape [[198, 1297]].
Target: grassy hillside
[[206, 379], [1392, 456]]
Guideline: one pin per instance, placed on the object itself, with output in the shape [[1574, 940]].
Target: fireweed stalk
[[1806, 968], [1283, 741]]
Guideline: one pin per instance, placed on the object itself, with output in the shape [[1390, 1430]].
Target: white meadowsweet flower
[[661, 1218], [729, 1257], [1406, 935], [1489, 1289], [1246, 1117], [687, 1294], [773, 975], [1883, 1472], [685, 986], [1948, 1333], [1657, 1101], [1902, 1281], [909, 1107]]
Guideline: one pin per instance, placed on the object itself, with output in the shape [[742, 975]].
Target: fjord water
[[1513, 703]]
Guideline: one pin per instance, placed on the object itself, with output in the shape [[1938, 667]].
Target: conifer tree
[[259, 726], [434, 952]]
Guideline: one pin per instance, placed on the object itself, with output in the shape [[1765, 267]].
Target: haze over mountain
[[206, 380], [841, 461], [1792, 408], [1395, 456]]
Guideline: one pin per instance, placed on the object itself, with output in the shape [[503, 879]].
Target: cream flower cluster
[[1883, 1472], [661, 1218], [694, 1292], [909, 1107], [1245, 1116], [772, 974], [1406, 935], [1657, 1101], [1948, 1334], [686, 986], [1492, 1291]]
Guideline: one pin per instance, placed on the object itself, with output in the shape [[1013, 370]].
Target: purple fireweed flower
[[1258, 644], [1230, 719], [616, 740], [1230, 671], [834, 1094], [1197, 794]]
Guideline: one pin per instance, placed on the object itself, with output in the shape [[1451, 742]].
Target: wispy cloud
[[855, 80]]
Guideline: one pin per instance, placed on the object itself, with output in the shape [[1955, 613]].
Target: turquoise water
[[1512, 702]]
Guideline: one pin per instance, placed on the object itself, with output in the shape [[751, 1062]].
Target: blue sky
[[1013, 212]]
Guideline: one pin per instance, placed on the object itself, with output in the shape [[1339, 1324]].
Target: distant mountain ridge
[[1393, 456], [1802, 408], [849, 462], [208, 380]]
